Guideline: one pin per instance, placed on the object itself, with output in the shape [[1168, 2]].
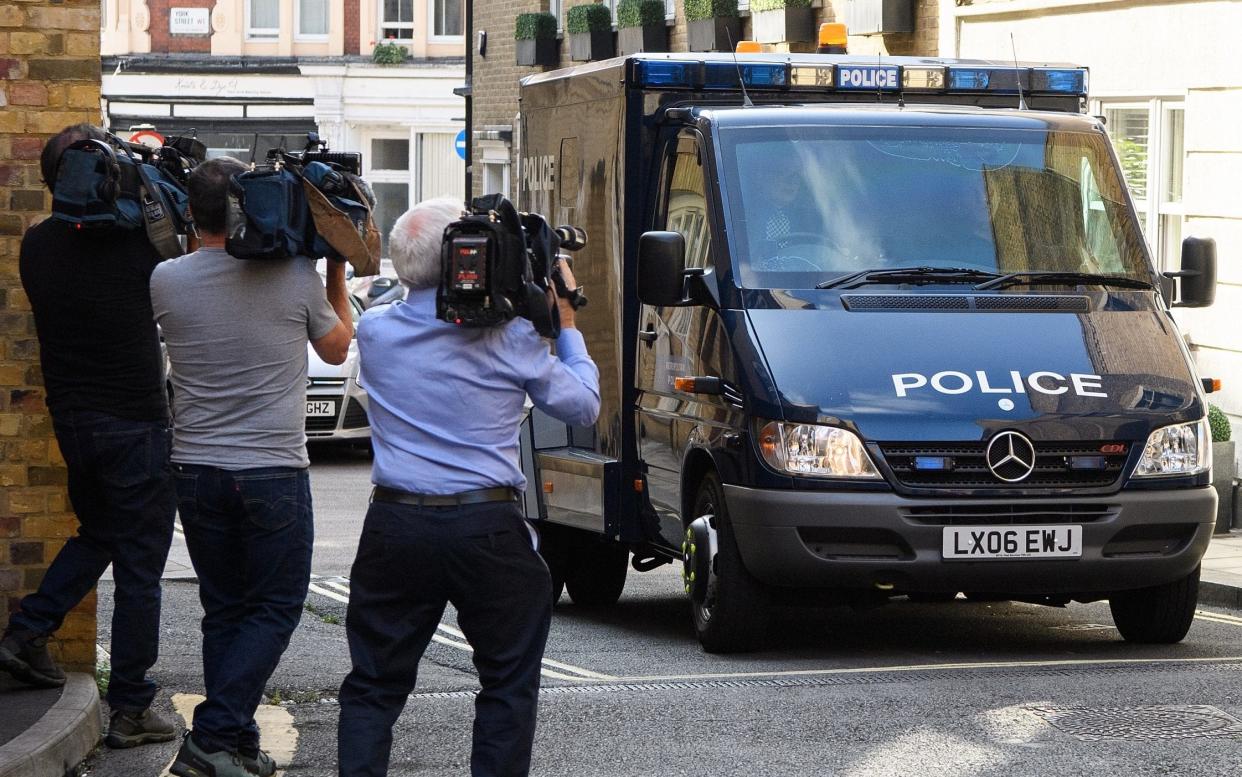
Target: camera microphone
[[572, 238]]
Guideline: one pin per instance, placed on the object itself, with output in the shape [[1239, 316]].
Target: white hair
[[414, 243]]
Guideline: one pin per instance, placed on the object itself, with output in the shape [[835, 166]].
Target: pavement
[[49, 733]]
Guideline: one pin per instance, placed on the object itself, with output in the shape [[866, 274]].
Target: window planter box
[[719, 34], [874, 17], [785, 25], [649, 37], [1224, 470], [588, 46], [537, 52]]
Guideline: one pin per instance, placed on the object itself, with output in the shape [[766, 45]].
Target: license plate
[[982, 542], [320, 407]]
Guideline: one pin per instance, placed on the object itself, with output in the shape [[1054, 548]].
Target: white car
[[336, 406]]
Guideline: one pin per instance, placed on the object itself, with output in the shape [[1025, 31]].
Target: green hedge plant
[[389, 53], [698, 10], [777, 5], [639, 13], [1221, 430], [534, 26], [590, 17]]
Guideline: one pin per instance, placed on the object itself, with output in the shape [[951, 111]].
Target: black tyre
[[733, 617], [1160, 614], [554, 547], [596, 574]]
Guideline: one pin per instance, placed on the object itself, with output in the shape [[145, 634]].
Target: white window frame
[[1157, 211], [379, 33], [431, 25], [262, 34], [309, 37]]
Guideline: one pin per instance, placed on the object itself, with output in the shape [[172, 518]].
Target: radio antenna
[[1017, 73], [746, 103]]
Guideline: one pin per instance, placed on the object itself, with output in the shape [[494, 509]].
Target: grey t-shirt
[[236, 332]]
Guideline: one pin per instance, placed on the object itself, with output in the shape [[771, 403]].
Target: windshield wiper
[[909, 275], [1034, 278]]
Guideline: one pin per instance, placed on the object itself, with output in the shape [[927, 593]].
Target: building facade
[[494, 82], [247, 76], [1167, 79]]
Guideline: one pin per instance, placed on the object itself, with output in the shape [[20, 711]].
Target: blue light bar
[[968, 79], [998, 80], [868, 78], [1059, 81], [756, 75], [665, 75]]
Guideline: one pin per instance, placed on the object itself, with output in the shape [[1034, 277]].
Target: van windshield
[[807, 204]]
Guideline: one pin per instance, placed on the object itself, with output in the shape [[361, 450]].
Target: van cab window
[[808, 203], [687, 203]]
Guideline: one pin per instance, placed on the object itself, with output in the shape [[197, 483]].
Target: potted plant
[[389, 52], [783, 21], [640, 26], [1224, 466], [536, 39], [590, 32], [712, 25]]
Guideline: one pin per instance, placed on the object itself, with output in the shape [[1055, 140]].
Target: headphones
[[109, 188]]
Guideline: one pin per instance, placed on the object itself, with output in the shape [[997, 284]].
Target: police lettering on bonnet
[[497, 264]]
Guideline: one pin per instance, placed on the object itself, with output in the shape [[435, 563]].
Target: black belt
[[478, 496]]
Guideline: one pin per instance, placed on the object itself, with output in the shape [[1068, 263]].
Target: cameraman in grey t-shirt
[[236, 333]]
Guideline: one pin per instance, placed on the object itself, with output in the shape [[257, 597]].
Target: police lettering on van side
[[538, 173], [1040, 382]]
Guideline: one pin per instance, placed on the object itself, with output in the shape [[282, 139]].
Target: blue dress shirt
[[446, 402]]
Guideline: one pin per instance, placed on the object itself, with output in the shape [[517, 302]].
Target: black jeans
[[250, 534], [411, 562], [121, 489]]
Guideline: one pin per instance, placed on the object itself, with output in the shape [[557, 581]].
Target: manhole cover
[[1139, 723]]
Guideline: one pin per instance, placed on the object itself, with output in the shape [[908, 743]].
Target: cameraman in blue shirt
[[444, 524]]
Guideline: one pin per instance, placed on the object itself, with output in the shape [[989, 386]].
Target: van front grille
[[1014, 513], [964, 465]]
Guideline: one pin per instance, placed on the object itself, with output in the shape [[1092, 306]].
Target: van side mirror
[[661, 268], [1198, 273]]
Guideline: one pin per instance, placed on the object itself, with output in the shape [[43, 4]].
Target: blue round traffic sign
[[460, 144]]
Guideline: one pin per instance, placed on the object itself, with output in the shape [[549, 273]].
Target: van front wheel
[[1158, 615], [733, 615]]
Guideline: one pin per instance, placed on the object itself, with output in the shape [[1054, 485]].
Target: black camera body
[[497, 264]]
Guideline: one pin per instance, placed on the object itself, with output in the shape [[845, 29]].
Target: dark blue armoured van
[[865, 330]]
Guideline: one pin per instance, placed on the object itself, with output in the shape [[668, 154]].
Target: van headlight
[[1182, 449], [817, 451]]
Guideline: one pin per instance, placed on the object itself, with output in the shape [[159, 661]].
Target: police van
[[865, 329]]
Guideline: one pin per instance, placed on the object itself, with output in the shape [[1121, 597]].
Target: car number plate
[[320, 407], [980, 542]]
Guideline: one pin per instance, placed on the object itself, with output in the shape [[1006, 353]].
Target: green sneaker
[[193, 761], [130, 729], [24, 655], [257, 762]]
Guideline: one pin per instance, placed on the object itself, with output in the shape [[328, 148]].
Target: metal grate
[[1155, 722], [322, 423], [969, 469], [355, 415], [1014, 513], [990, 303]]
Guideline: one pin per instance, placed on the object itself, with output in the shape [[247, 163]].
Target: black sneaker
[[24, 655], [257, 761], [193, 761], [130, 729]]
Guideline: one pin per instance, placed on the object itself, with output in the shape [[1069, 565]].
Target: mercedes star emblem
[[1011, 457]]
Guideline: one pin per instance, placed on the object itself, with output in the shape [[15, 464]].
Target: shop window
[[397, 21], [1149, 138], [406, 170], [446, 18], [262, 19], [312, 21]]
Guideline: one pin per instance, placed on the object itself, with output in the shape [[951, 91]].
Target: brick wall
[[162, 42], [496, 76], [353, 24], [49, 78]]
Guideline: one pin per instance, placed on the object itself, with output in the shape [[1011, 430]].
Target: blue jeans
[[249, 533], [121, 489]]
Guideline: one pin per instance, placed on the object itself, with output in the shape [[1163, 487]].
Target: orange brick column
[[49, 78]]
